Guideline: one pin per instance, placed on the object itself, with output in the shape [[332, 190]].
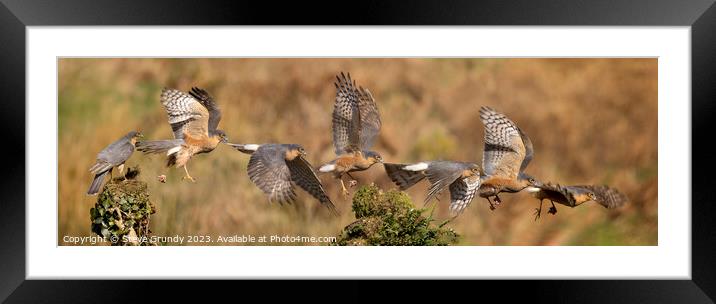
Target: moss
[[390, 218], [123, 210]]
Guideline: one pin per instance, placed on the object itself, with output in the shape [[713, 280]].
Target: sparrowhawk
[[194, 118], [275, 168], [573, 196], [461, 178], [505, 157], [112, 156], [356, 123]]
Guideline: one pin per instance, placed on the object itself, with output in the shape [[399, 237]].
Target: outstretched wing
[[608, 197], [346, 120], [440, 175], [209, 103], [529, 151], [267, 170], [558, 193], [303, 175], [461, 193], [504, 150], [186, 114], [369, 119]]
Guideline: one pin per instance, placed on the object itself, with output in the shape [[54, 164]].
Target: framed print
[[559, 147]]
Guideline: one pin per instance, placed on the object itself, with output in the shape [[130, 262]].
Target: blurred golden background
[[590, 120]]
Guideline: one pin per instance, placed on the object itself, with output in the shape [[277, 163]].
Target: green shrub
[[390, 218], [122, 212]]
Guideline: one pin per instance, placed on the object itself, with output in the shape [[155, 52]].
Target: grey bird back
[[441, 174], [118, 151]]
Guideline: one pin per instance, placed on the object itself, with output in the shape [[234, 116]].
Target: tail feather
[[330, 167], [403, 178], [247, 148], [96, 183], [94, 167], [158, 146]]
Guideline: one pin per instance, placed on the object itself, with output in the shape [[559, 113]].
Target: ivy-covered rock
[[122, 212], [390, 218]]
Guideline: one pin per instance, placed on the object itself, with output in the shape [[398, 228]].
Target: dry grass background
[[591, 121]]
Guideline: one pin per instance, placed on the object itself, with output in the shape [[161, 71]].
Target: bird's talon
[[537, 213], [552, 210]]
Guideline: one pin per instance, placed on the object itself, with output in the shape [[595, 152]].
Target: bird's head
[[592, 196], [474, 169], [135, 134], [578, 195], [223, 138], [373, 157], [529, 180], [534, 185], [296, 150], [523, 181]]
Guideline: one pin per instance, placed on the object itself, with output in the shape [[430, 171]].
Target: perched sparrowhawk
[[112, 156]]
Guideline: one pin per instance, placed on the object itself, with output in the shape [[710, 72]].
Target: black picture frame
[[16, 15]]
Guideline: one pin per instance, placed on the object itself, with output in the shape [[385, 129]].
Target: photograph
[[550, 147], [357, 151]]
